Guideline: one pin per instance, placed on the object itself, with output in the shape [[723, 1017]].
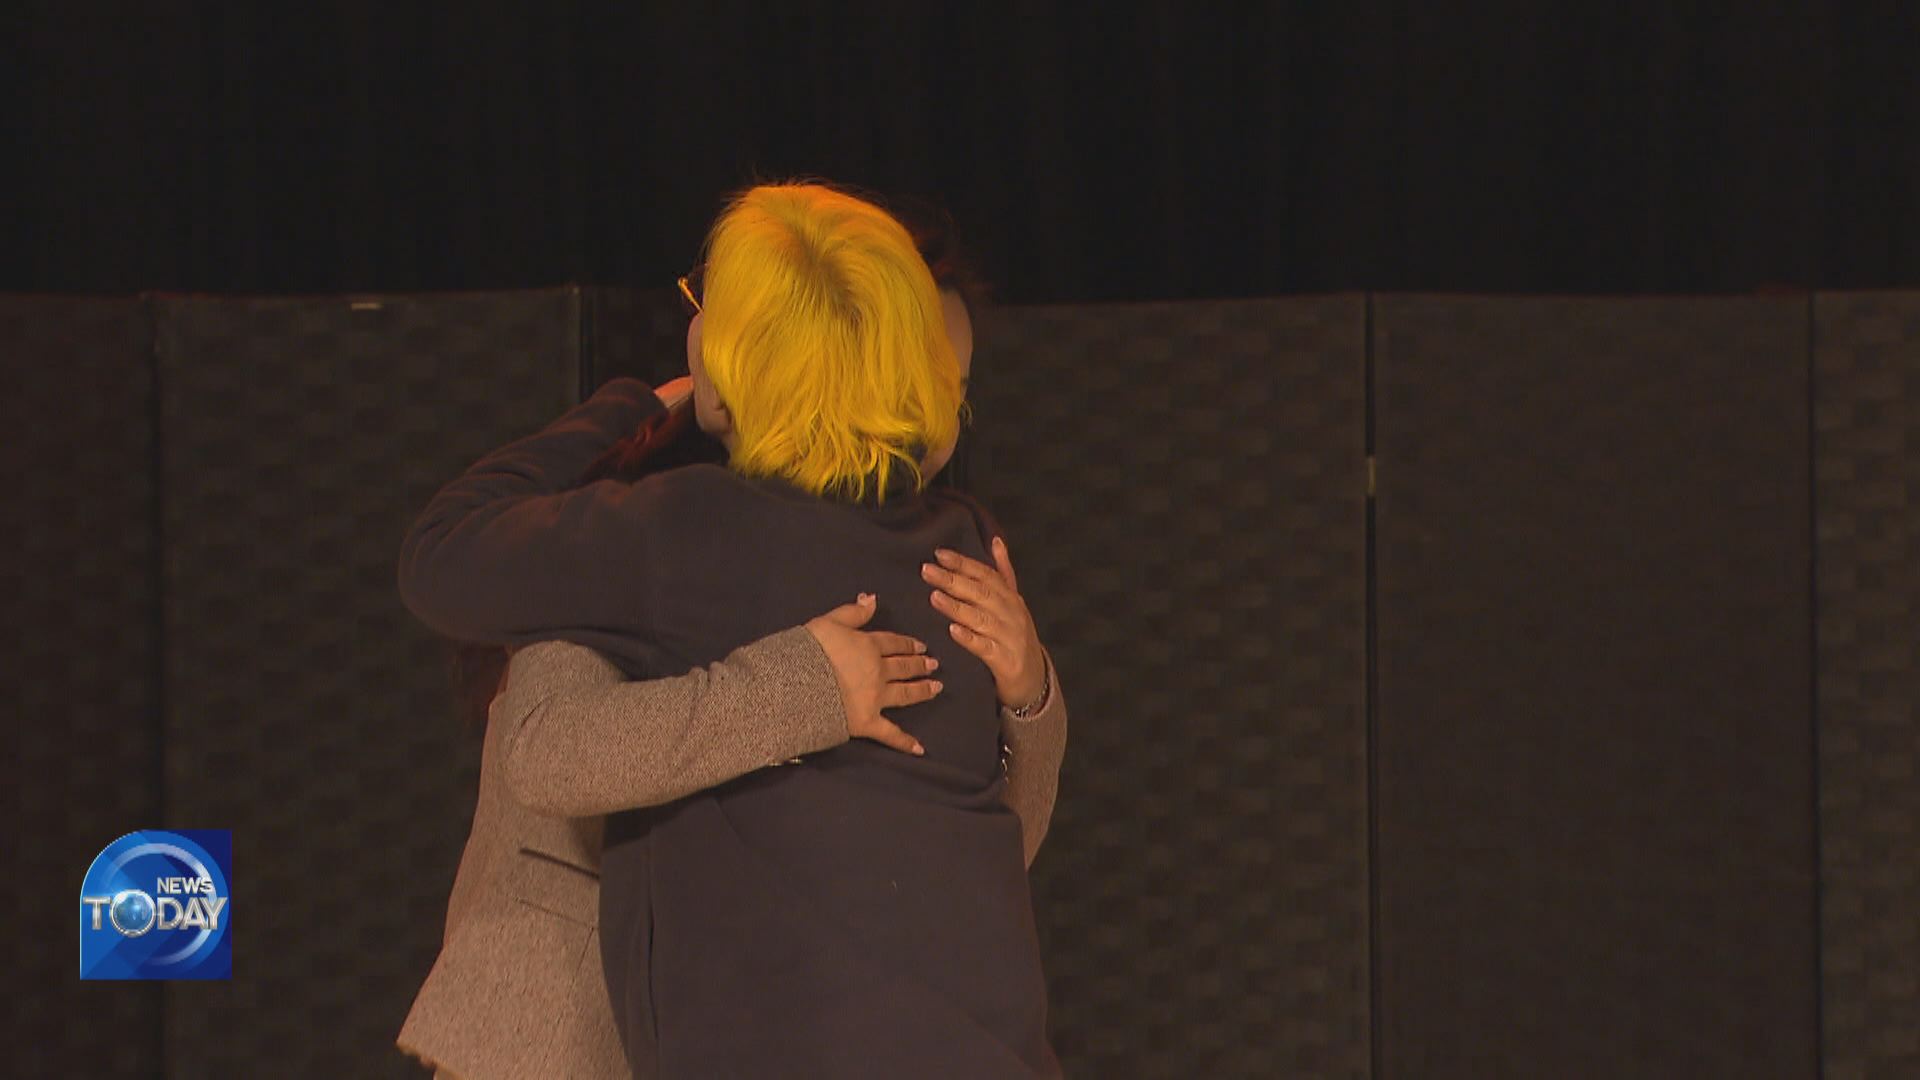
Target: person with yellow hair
[[856, 911]]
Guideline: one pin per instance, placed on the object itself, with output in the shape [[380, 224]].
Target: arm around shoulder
[[495, 556]]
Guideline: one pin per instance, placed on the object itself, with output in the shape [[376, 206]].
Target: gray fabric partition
[[636, 332], [1593, 787], [82, 660], [1867, 445], [306, 709], [1183, 486], [1597, 689]]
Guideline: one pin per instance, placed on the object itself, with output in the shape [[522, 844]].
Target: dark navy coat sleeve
[[512, 549]]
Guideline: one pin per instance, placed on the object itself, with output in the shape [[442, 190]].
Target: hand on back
[[991, 621], [875, 670]]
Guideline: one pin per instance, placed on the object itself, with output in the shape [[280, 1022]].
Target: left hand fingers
[[973, 617], [976, 582], [961, 587], [990, 618], [1004, 562], [980, 645], [969, 568], [1016, 661]]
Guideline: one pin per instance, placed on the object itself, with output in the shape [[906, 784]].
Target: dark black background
[[1091, 152]]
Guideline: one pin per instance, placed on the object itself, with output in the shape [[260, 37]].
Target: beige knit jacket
[[517, 989]]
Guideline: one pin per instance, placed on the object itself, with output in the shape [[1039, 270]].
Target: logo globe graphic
[[131, 912]]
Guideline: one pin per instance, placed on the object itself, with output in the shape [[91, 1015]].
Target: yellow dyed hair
[[824, 337]]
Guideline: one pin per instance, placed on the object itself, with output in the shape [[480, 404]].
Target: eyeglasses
[[689, 284]]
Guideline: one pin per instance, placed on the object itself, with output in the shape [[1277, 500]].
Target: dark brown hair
[[933, 230]]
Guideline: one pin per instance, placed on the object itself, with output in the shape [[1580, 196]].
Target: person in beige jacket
[[517, 990]]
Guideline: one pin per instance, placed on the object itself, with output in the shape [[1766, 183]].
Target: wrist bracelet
[[1038, 703]]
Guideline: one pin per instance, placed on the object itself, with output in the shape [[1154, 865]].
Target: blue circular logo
[[156, 905], [132, 912]]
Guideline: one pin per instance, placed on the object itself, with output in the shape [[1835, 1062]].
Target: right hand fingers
[[887, 733], [899, 695], [854, 615], [904, 668], [895, 644], [857, 614]]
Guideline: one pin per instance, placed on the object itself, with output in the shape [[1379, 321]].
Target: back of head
[[823, 337]]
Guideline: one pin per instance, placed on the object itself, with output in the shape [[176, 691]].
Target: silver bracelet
[[1046, 691]]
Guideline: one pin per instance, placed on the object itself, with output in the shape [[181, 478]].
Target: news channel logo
[[156, 905]]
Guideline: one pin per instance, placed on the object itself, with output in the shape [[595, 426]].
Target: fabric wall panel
[[82, 588], [1183, 487], [1594, 849], [307, 710], [1867, 484], [636, 332], [1594, 795]]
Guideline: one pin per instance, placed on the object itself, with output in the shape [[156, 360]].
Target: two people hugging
[[778, 738]]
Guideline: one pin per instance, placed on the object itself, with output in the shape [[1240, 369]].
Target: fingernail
[[999, 544], [919, 646], [933, 663], [936, 685], [944, 556], [928, 570], [919, 751], [866, 598]]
